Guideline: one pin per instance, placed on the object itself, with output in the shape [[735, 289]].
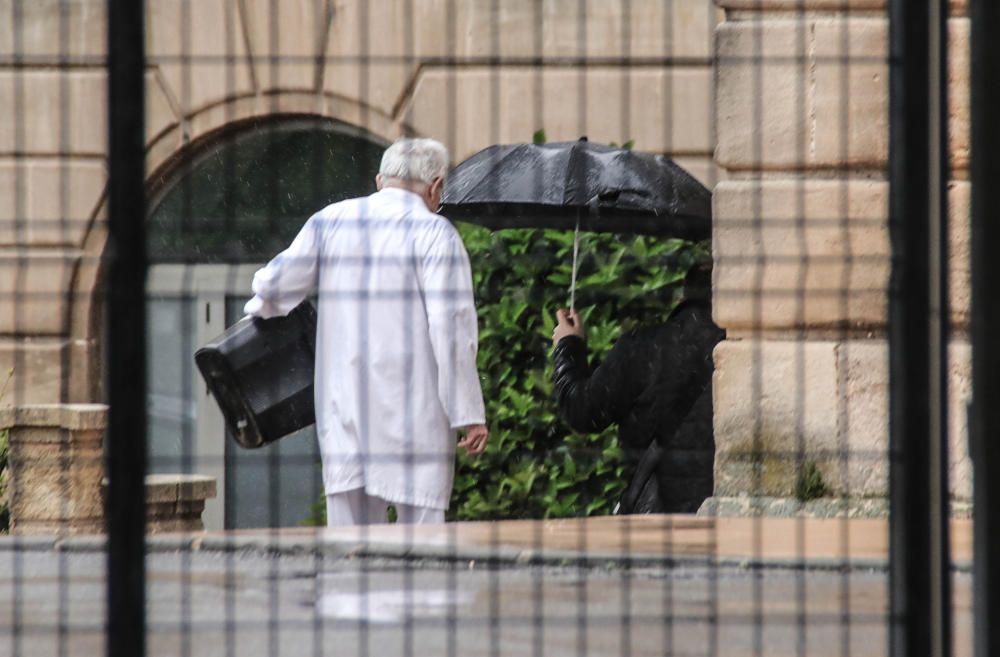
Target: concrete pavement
[[654, 539], [640, 586]]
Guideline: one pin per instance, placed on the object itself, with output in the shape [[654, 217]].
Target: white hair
[[415, 161]]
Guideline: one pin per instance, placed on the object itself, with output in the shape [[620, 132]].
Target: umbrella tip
[[584, 138]]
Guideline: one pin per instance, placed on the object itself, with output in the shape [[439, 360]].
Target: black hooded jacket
[[655, 383]]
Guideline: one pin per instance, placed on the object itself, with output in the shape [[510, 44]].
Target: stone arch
[[170, 139], [172, 136]]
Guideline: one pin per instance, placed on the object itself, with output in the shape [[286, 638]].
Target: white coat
[[396, 342]]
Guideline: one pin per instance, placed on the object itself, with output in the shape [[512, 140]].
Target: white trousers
[[355, 507]]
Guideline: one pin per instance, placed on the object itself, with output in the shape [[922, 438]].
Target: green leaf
[[539, 137], [569, 466]]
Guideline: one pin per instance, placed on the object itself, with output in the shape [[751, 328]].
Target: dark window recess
[[244, 198]]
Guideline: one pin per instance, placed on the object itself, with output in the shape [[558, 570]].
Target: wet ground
[[255, 603]]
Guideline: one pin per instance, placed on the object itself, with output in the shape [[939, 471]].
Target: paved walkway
[[821, 542], [693, 586]]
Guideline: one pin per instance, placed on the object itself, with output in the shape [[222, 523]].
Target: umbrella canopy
[[556, 185]]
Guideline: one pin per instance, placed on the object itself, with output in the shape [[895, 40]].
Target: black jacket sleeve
[[590, 401]]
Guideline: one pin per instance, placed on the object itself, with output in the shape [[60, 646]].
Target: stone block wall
[[801, 249], [469, 73], [795, 113]]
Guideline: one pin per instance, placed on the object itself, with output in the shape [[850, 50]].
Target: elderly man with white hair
[[396, 343]]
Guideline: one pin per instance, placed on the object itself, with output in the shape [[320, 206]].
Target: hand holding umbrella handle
[[569, 323]]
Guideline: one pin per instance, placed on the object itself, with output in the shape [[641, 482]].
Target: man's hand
[[475, 439], [569, 323]]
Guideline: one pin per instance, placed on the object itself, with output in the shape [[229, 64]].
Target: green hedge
[[535, 466]]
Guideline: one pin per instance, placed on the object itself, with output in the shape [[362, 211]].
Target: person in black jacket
[[656, 384]]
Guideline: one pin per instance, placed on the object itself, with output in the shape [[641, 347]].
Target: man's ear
[[437, 186], [378, 182]]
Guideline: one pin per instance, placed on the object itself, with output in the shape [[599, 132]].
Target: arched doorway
[[214, 219]]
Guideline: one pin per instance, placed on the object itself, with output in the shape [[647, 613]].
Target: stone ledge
[[799, 6], [179, 487], [824, 507], [175, 502], [785, 507], [75, 417]]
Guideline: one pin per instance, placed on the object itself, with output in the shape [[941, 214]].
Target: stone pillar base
[[824, 507], [175, 502], [56, 482], [56, 465]]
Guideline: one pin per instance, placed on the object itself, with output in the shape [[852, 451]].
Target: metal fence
[[771, 217]]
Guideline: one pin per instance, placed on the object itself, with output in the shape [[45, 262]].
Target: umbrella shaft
[[576, 255]]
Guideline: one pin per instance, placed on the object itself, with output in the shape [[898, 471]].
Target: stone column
[[801, 252], [55, 467], [55, 475], [175, 502]]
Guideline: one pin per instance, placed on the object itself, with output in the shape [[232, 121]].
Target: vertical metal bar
[[985, 420], [920, 591], [126, 447], [939, 320]]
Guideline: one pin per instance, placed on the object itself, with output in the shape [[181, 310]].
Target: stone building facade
[[779, 105], [802, 250], [470, 73]]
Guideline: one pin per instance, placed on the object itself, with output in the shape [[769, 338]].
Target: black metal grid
[[271, 584]]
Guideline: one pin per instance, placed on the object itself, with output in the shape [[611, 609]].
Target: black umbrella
[[578, 183]]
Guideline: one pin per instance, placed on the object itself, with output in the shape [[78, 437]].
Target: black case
[[260, 372]]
